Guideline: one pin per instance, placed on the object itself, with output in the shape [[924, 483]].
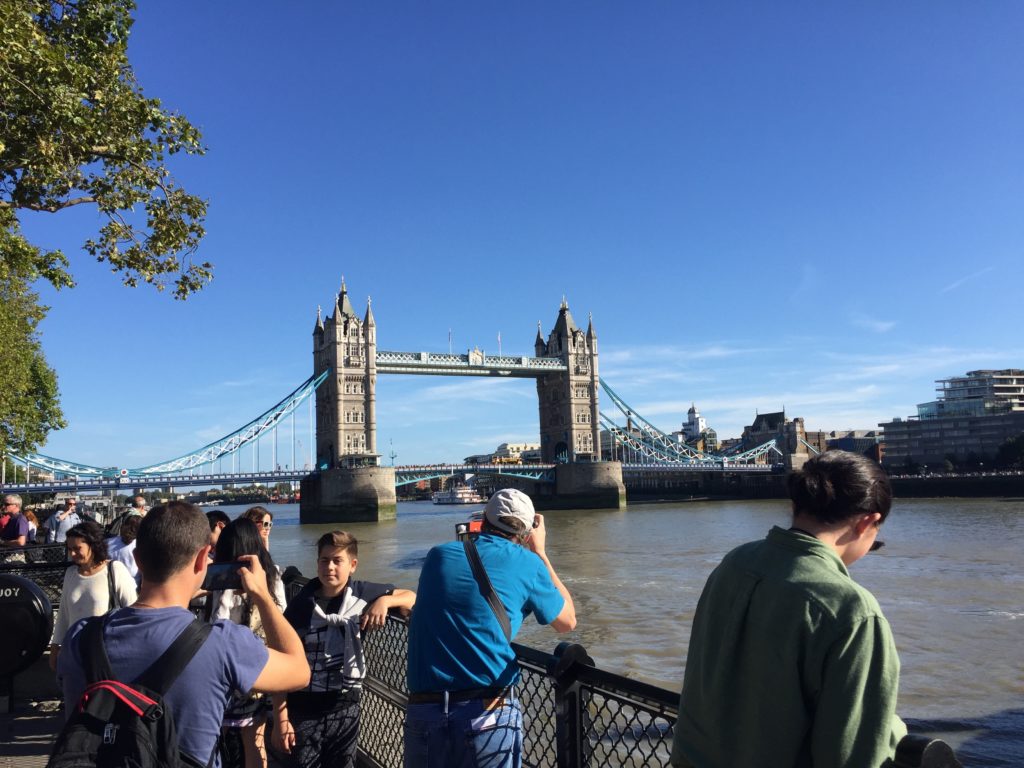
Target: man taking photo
[[463, 707], [172, 553]]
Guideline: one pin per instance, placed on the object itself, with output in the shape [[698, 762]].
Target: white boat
[[461, 494]]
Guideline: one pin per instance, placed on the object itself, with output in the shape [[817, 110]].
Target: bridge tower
[[347, 483], [346, 429], [570, 428], [569, 424]]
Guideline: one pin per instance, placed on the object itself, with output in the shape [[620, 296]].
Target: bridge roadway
[[403, 476]]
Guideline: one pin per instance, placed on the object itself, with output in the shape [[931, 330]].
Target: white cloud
[[872, 323]]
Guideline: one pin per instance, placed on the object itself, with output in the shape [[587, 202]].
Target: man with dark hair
[[217, 520], [172, 551], [462, 705]]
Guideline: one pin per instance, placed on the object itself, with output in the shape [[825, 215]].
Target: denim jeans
[[464, 735]]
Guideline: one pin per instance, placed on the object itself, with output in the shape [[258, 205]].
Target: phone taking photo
[[220, 576]]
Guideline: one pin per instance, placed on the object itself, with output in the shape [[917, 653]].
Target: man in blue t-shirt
[[172, 551], [462, 706]]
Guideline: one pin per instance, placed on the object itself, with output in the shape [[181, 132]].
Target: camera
[[465, 530], [221, 576]]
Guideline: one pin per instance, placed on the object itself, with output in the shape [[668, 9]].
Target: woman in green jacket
[[791, 663]]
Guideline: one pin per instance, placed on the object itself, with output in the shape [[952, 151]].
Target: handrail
[[574, 713]]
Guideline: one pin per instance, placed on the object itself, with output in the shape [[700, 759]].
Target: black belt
[[469, 694]]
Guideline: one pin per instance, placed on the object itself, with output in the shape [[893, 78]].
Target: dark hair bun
[[838, 484]]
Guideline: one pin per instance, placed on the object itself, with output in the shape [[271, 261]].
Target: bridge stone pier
[[356, 494], [349, 483]]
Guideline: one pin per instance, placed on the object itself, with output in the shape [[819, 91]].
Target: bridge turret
[[370, 382], [561, 336], [368, 321], [568, 401], [319, 326], [343, 301], [538, 343], [595, 416]]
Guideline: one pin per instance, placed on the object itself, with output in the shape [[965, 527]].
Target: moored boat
[[461, 494]]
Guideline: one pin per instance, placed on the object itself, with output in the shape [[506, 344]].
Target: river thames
[[949, 580]]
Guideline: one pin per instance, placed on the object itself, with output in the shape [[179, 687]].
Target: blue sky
[[816, 206]]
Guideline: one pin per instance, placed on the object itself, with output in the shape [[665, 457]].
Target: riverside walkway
[[27, 734]]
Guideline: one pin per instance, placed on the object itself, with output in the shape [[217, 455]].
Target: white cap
[[508, 502]]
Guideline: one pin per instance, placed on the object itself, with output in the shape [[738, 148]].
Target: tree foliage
[[29, 406], [76, 129], [1011, 452]]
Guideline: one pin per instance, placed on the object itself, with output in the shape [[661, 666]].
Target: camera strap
[[486, 589]]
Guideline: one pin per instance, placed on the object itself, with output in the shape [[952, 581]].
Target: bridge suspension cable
[[228, 444], [655, 447], [653, 436], [265, 423]]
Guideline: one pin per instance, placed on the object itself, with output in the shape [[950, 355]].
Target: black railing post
[[915, 751], [569, 706]]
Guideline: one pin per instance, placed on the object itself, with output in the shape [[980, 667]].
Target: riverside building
[[973, 415]]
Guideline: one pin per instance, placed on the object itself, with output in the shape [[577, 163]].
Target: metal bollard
[[916, 751], [569, 708]]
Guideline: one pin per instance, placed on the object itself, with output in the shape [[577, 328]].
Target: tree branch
[[47, 208]]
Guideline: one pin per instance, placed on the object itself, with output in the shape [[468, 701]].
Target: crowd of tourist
[[790, 662]]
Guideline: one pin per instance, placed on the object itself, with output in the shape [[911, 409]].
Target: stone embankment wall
[[686, 485]]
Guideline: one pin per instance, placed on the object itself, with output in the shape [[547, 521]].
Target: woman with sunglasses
[[791, 662], [247, 712], [264, 520]]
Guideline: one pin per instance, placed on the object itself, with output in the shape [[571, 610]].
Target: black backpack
[[119, 725]]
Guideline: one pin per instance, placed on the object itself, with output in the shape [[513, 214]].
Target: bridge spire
[[564, 325], [342, 303], [319, 327]]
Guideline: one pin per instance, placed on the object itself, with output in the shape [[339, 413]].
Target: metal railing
[[574, 714], [44, 564]]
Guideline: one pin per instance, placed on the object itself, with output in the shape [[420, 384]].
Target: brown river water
[[949, 580]]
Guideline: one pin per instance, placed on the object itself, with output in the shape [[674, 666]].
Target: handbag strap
[[111, 591], [486, 589]]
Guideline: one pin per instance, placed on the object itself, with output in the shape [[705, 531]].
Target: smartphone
[[223, 576]]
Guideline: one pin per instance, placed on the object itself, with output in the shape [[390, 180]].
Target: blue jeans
[[464, 734]]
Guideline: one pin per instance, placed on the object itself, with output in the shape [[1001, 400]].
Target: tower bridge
[[352, 484], [343, 479]]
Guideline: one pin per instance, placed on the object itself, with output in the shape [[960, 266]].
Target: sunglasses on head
[[877, 545]]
